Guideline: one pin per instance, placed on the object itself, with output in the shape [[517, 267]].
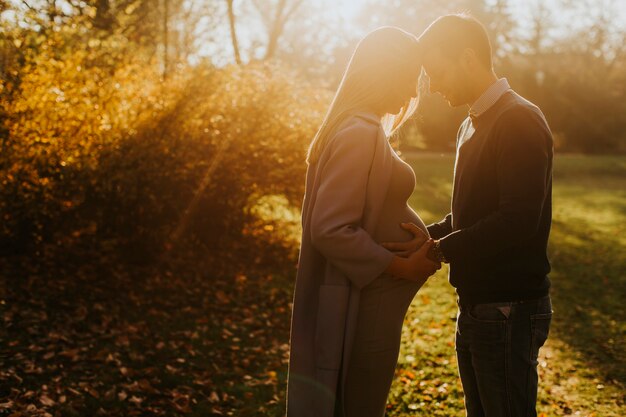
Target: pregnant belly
[[389, 230]]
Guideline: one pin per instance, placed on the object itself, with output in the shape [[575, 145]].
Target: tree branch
[[283, 13]]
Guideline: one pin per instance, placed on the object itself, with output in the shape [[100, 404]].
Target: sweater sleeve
[[441, 229], [337, 214], [523, 148]]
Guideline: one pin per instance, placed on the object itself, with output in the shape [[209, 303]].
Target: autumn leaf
[[47, 401]]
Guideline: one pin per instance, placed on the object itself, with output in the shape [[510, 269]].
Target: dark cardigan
[[497, 234]]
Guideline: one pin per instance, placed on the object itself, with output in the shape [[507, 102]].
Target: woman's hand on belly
[[417, 267], [405, 249]]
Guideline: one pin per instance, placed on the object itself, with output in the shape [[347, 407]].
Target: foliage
[[68, 106], [102, 149], [226, 139]]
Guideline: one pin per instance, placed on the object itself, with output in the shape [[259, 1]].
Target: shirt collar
[[489, 97]]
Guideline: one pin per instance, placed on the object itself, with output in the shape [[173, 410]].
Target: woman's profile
[[351, 294]]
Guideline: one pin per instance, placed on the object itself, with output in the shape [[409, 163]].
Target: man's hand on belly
[[405, 249]]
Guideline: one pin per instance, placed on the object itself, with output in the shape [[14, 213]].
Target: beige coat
[[345, 190]]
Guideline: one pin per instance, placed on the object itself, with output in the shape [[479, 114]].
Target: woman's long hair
[[370, 79]]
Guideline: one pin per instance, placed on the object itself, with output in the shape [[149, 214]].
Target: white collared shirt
[[489, 97]]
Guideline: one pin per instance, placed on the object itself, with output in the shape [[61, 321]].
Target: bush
[[113, 155]]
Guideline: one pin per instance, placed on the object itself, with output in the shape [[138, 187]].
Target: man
[[496, 236]]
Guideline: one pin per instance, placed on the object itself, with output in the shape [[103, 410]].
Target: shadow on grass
[[588, 286]]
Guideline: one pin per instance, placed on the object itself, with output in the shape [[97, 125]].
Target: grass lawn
[[88, 337]]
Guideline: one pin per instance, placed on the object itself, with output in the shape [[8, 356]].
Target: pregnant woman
[[352, 294]]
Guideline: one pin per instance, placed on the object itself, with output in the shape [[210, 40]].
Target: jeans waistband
[[463, 306]]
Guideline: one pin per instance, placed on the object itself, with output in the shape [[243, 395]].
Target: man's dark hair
[[452, 33]]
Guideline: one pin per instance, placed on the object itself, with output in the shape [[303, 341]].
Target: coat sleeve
[[524, 160], [337, 213]]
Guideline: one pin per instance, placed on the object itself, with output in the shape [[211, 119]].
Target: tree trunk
[[103, 19], [166, 57], [283, 13], [233, 32]]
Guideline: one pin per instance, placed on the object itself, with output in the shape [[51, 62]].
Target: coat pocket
[[330, 328]]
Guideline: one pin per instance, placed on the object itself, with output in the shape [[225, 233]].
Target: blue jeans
[[497, 345]]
